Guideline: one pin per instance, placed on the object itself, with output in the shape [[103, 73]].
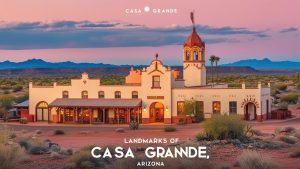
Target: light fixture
[[144, 109], [167, 109]]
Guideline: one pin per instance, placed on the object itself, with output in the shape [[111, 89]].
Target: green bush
[[289, 129], [290, 98], [59, 132], [296, 153], [134, 125], [253, 160], [224, 127], [181, 121], [84, 160], [170, 129], [23, 120], [288, 140], [201, 136], [281, 86], [34, 145]]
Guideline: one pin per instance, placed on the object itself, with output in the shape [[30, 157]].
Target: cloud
[[291, 29], [87, 34]]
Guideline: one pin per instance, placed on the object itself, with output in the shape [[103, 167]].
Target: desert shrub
[[256, 132], [17, 88], [224, 127], [278, 130], [10, 155], [253, 160], [288, 139], [38, 132], [134, 125], [23, 120], [296, 153], [283, 106], [84, 160], [201, 136], [289, 129], [297, 134], [181, 121], [58, 132], [170, 129], [34, 145], [290, 98], [281, 86], [4, 134]]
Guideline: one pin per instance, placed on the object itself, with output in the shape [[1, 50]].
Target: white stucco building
[[153, 94]]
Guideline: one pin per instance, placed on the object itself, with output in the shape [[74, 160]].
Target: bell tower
[[194, 71]]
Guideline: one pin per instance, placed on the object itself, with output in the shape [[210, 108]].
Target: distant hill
[[265, 64], [39, 63]]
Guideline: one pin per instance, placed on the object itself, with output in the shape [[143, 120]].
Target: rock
[[38, 132], [224, 141], [66, 151], [250, 147], [235, 141], [216, 142], [55, 148], [120, 130], [55, 155]]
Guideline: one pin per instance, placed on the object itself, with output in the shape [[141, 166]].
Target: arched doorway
[[42, 111], [156, 112], [250, 111]]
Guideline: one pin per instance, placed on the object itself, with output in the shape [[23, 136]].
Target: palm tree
[[212, 60], [217, 59]]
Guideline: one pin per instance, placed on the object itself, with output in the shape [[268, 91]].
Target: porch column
[[118, 115], [138, 115], [103, 115], [128, 114], [64, 115], [49, 110], [90, 113]]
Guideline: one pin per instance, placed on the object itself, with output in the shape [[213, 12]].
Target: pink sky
[[271, 16]]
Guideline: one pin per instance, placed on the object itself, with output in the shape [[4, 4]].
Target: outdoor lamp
[[167, 109], [144, 108]]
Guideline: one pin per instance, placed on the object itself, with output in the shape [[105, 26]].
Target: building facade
[[154, 94]]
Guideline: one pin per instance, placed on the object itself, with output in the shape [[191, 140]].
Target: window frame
[[119, 96], [85, 96], [134, 94], [65, 96], [102, 95], [154, 82], [230, 107]]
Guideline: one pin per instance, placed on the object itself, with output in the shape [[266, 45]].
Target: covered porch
[[95, 111]]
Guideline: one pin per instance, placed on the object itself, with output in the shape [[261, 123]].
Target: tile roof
[[96, 103]]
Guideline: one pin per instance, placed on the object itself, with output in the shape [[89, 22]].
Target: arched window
[[135, 95], [84, 95], [187, 55], [65, 94], [42, 111], [195, 55], [117, 94], [101, 94]]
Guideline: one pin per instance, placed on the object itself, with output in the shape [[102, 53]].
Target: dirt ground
[[77, 137]]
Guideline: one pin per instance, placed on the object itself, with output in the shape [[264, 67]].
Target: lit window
[[65, 94], [216, 107], [233, 107], [135, 95], [101, 94], [156, 82], [117, 94], [84, 94], [180, 108]]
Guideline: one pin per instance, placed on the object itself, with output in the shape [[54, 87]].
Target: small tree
[[6, 102]]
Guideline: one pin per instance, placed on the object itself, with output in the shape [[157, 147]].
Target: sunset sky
[[103, 31]]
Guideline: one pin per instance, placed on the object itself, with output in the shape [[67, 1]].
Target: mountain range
[[39, 63], [266, 64]]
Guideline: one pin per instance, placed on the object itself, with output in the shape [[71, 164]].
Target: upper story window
[[117, 94], [187, 55], [155, 81], [101, 94], [195, 55], [65, 94], [84, 95], [135, 95]]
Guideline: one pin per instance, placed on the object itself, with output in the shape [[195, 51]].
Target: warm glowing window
[[135, 95], [216, 107], [101, 94], [65, 94], [156, 82], [233, 107], [117, 94], [180, 108], [84, 94]]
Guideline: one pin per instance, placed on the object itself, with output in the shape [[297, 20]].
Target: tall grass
[[253, 160]]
